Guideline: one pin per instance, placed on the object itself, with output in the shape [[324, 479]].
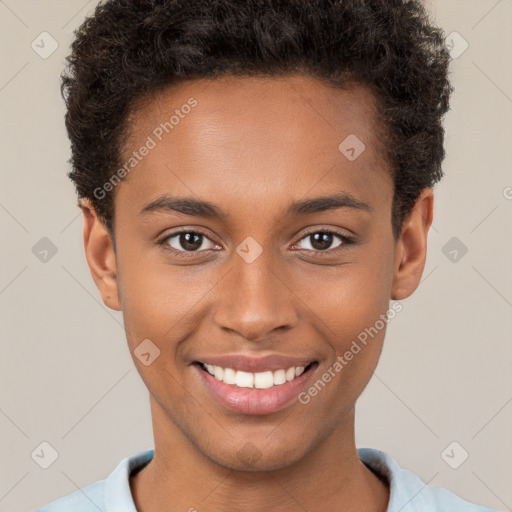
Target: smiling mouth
[[259, 380]]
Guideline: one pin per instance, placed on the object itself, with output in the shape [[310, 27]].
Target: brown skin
[[251, 147]]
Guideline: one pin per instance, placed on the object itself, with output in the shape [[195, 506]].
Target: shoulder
[[408, 493], [107, 495]]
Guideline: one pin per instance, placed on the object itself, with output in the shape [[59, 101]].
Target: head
[[294, 146]]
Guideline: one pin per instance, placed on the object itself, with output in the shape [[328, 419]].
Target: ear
[[100, 256], [411, 248]]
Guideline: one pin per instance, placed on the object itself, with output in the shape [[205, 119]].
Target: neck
[[328, 477]]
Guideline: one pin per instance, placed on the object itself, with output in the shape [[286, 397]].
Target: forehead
[[258, 135]]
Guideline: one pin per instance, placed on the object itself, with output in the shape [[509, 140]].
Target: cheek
[[161, 303], [353, 323], [351, 315], [148, 300], [351, 299]]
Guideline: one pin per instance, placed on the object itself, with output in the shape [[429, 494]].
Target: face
[[248, 238]]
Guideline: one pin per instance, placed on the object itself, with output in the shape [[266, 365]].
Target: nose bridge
[[252, 299]]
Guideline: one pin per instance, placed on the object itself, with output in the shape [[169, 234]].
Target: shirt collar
[[118, 496], [404, 485]]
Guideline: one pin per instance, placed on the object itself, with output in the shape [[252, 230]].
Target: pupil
[[322, 241], [190, 241]]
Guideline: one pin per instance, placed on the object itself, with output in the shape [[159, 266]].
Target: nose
[[254, 299]]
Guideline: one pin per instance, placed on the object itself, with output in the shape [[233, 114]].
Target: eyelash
[[346, 240]]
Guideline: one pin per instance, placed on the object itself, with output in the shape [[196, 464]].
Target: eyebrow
[[200, 208]]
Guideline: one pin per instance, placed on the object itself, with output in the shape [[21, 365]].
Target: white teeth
[[260, 380], [244, 379], [229, 376], [279, 377], [263, 380], [218, 372]]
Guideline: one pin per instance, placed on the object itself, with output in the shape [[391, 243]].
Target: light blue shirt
[[407, 492]]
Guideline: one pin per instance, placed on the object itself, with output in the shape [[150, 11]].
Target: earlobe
[[411, 248], [100, 256]]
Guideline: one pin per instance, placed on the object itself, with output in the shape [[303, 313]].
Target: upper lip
[[253, 364]]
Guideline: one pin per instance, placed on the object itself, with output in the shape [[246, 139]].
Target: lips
[[249, 385], [271, 362]]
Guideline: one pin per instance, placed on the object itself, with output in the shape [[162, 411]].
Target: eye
[[187, 241], [322, 240]]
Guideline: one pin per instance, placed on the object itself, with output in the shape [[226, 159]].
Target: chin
[[250, 457]]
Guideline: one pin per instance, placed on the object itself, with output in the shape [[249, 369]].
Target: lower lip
[[253, 400]]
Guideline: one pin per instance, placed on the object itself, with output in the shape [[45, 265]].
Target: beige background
[[68, 379]]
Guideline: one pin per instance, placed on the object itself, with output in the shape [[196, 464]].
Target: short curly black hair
[[128, 50]]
